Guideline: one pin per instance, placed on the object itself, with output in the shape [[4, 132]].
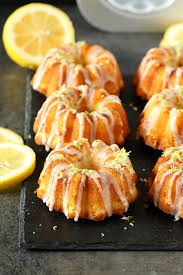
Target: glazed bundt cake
[[88, 181], [80, 112], [161, 68], [161, 122], [76, 64], [165, 186]]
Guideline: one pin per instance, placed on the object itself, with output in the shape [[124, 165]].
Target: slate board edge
[[100, 246], [28, 100]]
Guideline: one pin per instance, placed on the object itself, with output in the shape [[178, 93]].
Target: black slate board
[[153, 230]]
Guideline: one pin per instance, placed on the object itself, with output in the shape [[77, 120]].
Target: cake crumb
[[127, 218], [146, 205], [143, 179], [155, 143], [135, 108], [176, 218], [55, 227], [40, 224], [125, 228], [102, 234], [34, 232]]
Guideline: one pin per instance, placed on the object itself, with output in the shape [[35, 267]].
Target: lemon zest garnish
[[64, 57], [80, 43], [177, 218], [127, 218], [176, 169], [64, 90], [74, 170], [121, 155], [89, 114], [80, 87], [143, 179], [77, 143], [97, 143], [120, 161], [174, 153]]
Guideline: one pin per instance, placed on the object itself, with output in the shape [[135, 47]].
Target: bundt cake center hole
[[84, 107], [87, 162]]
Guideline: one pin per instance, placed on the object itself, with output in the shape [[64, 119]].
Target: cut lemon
[[7, 135], [33, 29], [17, 162], [173, 36]]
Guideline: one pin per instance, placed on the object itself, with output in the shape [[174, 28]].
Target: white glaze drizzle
[[146, 69], [177, 205], [179, 73], [174, 176], [80, 191], [167, 74], [97, 115], [41, 69], [45, 112], [158, 186], [62, 136], [178, 138], [55, 175], [81, 117], [147, 125]]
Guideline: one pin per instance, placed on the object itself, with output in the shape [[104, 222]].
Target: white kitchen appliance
[[131, 15]]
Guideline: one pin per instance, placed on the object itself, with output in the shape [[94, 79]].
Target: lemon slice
[[7, 135], [30, 31], [173, 36], [17, 162]]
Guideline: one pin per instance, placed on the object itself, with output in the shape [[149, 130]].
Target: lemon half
[[7, 135], [33, 29], [173, 36], [17, 162]]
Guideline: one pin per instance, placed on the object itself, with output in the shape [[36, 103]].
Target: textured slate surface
[[14, 260], [153, 230]]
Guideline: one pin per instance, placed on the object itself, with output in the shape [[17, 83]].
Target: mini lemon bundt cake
[[80, 112], [88, 181], [161, 68], [165, 186], [161, 122], [77, 64]]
